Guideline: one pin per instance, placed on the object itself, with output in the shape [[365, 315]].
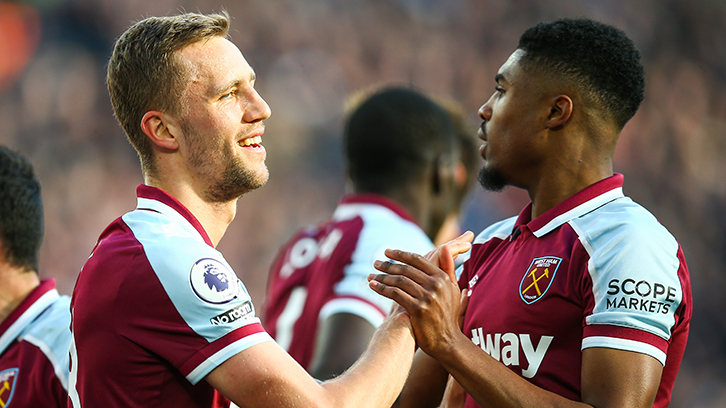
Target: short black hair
[[21, 211], [599, 58], [392, 135]]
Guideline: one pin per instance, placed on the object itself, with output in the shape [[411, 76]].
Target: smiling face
[[221, 121], [513, 126]]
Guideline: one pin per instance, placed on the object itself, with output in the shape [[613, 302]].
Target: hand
[[428, 293], [456, 246]]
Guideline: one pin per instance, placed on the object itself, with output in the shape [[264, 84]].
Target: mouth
[[255, 141], [481, 133], [483, 137]]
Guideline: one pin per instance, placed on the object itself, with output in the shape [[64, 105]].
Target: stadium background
[[309, 55]]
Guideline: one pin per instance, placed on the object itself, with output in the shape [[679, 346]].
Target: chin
[[492, 179], [233, 185]]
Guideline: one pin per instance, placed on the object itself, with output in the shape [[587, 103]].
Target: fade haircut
[[21, 211], [143, 74], [391, 137], [599, 59]]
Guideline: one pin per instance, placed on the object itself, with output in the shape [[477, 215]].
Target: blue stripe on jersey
[[51, 333], [633, 265], [382, 229], [224, 354], [16, 329], [173, 246], [500, 230]]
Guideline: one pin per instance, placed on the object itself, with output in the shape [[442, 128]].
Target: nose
[[485, 112], [257, 109]]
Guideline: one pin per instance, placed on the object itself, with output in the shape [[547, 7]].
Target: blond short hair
[[143, 74]]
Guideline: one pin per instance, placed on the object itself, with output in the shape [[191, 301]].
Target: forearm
[[376, 379], [339, 342], [490, 383], [425, 384]]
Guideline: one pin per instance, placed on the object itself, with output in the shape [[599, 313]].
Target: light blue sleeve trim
[[382, 229], [500, 230], [633, 266], [50, 332], [624, 344], [24, 321], [353, 306], [173, 247], [224, 354]]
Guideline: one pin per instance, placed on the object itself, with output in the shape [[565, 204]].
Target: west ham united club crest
[[7, 385], [538, 278], [213, 282]]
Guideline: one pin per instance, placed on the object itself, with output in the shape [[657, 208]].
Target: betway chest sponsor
[[504, 347]]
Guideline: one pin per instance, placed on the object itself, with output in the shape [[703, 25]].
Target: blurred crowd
[[309, 55]]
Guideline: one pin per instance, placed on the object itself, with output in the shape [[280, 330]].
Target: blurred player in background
[[465, 171], [584, 299], [159, 318], [34, 318], [401, 156]]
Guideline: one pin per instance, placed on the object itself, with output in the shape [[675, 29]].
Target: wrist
[[448, 347]]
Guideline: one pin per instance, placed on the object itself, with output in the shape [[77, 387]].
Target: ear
[[444, 175], [460, 175], [560, 112], [162, 129], [437, 175]]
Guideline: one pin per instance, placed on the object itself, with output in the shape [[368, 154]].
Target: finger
[[394, 293], [460, 244], [411, 264], [467, 236], [403, 270], [446, 263], [457, 246]]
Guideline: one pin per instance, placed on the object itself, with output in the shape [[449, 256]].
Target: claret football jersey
[[323, 270], [156, 308], [597, 270], [34, 341]]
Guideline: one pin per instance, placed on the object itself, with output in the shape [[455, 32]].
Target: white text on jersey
[[505, 348]]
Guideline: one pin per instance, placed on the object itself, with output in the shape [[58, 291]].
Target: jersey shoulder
[[496, 232], [50, 332], [622, 237]]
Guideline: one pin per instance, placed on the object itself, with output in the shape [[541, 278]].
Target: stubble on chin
[[491, 179], [235, 182]]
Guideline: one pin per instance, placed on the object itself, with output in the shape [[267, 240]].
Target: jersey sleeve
[[196, 312], [51, 334], [636, 269], [352, 294]]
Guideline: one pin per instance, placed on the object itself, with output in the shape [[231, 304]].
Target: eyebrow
[[235, 83], [499, 78]]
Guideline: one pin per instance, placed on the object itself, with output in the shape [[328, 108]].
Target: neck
[[16, 286], [580, 155], [565, 178], [214, 217], [413, 201]]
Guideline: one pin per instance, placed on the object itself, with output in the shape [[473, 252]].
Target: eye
[[229, 94], [499, 90]]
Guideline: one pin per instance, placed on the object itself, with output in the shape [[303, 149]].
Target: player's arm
[[264, 375], [340, 341], [610, 378], [425, 384]]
